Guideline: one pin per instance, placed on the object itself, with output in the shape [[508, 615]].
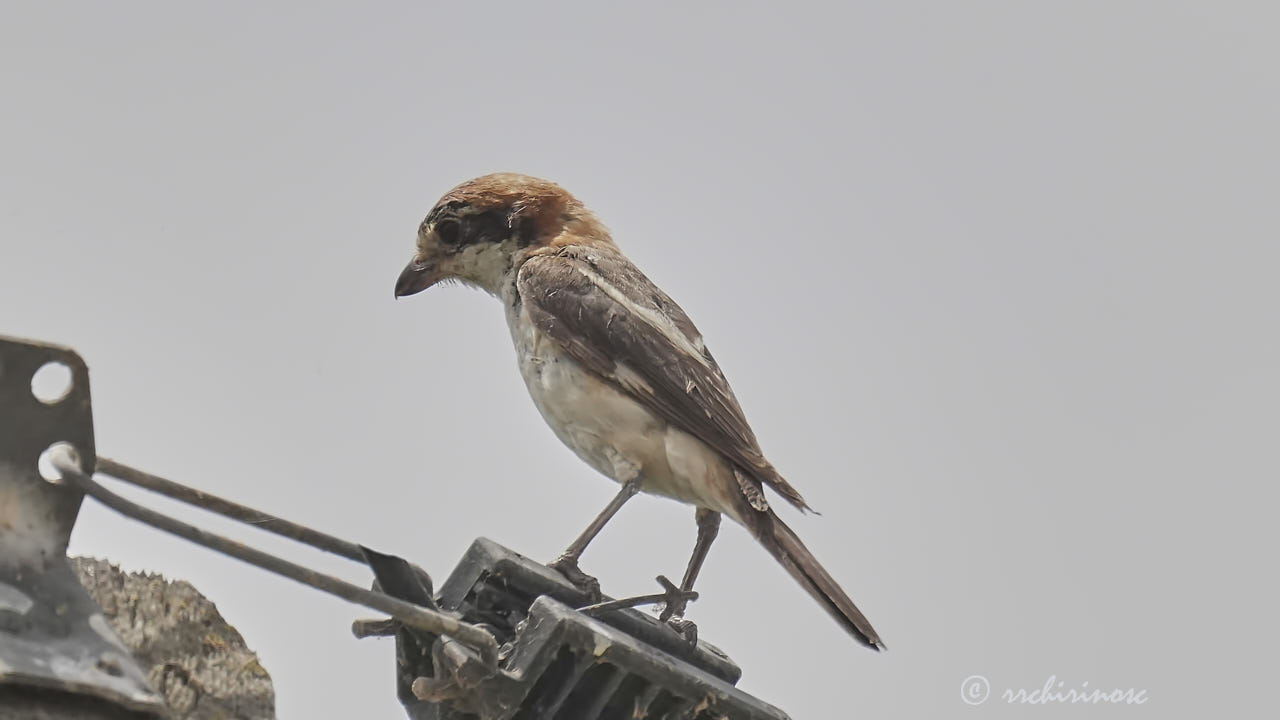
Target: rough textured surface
[[24, 703], [194, 658]]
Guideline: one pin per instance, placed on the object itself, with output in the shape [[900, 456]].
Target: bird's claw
[[675, 602], [567, 566]]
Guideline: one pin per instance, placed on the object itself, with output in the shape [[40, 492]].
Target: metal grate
[[560, 664]]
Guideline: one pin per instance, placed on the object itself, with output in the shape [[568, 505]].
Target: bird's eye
[[447, 231]]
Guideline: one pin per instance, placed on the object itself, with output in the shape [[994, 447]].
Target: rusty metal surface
[[52, 635]]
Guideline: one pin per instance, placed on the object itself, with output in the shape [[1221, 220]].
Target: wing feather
[[611, 318]]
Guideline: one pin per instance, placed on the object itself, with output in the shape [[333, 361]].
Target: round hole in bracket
[[45, 465], [52, 383]]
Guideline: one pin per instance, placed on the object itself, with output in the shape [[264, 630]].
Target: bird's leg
[[708, 528], [567, 563]]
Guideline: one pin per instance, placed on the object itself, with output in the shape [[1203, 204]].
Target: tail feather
[[785, 546]]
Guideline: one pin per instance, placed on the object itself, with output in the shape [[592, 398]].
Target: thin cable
[[624, 603], [233, 510], [407, 613]]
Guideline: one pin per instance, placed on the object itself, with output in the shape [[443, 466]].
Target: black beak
[[415, 278]]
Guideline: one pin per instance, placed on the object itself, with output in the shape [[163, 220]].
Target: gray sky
[[994, 282]]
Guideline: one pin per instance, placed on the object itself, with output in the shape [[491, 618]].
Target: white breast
[[609, 430]]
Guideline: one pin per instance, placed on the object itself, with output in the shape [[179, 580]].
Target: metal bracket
[[558, 663], [35, 516], [52, 635]]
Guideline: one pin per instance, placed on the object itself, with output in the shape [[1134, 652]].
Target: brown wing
[[611, 318]]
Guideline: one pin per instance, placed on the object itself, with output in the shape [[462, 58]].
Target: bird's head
[[483, 229]]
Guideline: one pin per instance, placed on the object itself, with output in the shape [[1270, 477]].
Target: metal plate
[[35, 516], [52, 635]]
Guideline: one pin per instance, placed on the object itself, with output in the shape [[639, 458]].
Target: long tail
[[783, 544]]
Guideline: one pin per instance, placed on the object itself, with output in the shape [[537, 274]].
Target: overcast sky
[[994, 281]]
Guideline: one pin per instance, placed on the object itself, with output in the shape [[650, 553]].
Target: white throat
[[488, 266]]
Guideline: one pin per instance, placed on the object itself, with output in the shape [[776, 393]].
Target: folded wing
[[611, 318]]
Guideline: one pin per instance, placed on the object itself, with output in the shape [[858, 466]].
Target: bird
[[618, 371]]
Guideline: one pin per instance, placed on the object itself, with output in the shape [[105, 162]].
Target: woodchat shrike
[[616, 368]]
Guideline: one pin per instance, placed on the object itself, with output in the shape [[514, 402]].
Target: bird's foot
[[567, 565], [685, 628]]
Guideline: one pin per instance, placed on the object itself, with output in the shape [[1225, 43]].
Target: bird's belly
[[613, 432]]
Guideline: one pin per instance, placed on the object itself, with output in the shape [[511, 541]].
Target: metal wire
[[233, 510], [407, 613], [624, 603]]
